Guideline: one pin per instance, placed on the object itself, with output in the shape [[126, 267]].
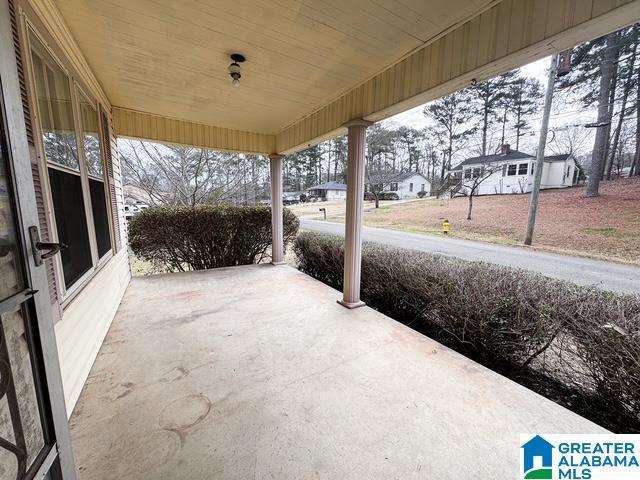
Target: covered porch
[[257, 372], [249, 371]]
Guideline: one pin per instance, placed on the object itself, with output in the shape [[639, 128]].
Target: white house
[[513, 172], [408, 184], [328, 191]]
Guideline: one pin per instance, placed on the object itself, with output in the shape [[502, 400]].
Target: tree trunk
[[623, 107], [377, 200], [470, 203], [601, 140], [485, 127], [518, 118], [618, 129], [504, 125], [635, 166]]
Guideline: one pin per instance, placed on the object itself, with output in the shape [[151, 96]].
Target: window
[[422, 188], [95, 173], [473, 172], [522, 168], [71, 146], [568, 171], [533, 167], [411, 187], [512, 170], [393, 187]]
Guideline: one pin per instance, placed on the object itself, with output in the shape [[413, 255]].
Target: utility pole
[[542, 143]]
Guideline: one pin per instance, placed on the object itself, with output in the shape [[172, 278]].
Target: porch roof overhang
[[310, 67]]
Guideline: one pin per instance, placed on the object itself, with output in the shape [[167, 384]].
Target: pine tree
[[523, 99], [451, 127], [491, 99]]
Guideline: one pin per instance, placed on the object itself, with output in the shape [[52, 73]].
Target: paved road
[[584, 271]]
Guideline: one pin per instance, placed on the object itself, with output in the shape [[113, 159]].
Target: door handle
[[50, 248]]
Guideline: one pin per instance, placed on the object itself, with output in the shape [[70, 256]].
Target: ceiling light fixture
[[234, 68]]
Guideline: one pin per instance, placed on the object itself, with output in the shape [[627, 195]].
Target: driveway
[[584, 271]]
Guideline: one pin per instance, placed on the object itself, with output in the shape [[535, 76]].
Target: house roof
[[401, 176], [557, 158], [329, 186], [512, 155], [499, 157]]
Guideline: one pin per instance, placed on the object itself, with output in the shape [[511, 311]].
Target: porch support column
[[353, 226], [277, 231]]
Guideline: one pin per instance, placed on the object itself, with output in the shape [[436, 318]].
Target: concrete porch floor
[[257, 372]]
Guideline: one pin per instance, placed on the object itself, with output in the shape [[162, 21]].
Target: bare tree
[[376, 181], [184, 176], [473, 177], [571, 139]]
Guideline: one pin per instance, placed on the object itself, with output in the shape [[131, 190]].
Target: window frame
[[66, 294], [526, 168], [79, 91], [515, 170]]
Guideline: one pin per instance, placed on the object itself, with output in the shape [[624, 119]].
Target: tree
[[410, 138], [600, 147], [376, 181], [450, 116], [473, 177], [627, 72], [492, 97], [524, 96], [571, 139], [172, 175], [600, 69], [339, 149], [379, 145]]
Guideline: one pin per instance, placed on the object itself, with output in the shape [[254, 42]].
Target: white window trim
[[66, 295]]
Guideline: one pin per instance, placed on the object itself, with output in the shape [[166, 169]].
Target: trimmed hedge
[[198, 238], [583, 342]]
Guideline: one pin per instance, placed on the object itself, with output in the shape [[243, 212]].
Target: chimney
[[506, 149]]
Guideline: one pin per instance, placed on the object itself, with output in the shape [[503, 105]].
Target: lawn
[[605, 227]]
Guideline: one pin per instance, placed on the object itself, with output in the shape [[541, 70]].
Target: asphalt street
[[584, 271]]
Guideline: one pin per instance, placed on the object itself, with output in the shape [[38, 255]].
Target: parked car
[[132, 209], [382, 196], [389, 196], [291, 198]]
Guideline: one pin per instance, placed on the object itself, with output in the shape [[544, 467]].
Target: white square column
[[357, 144]]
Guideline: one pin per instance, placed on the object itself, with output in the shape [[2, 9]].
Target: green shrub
[[422, 194], [198, 238], [510, 320]]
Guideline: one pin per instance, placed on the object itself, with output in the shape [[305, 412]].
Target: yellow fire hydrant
[[445, 226]]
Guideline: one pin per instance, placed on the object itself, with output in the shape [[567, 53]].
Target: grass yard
[[605, 227]]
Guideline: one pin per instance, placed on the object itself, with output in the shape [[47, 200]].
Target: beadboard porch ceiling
[[170, 58], [312, 65]]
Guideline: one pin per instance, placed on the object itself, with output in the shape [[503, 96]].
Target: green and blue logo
[[537, 461], [600, 456]]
